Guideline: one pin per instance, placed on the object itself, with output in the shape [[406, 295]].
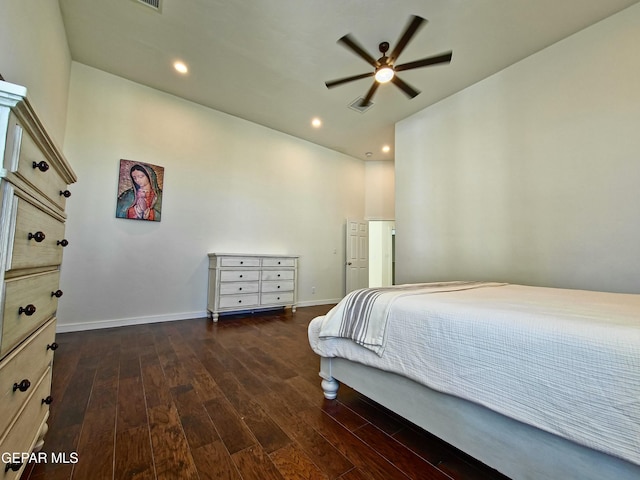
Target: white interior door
[[357, 267]]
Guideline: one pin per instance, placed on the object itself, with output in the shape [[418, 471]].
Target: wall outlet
[[313, 290]]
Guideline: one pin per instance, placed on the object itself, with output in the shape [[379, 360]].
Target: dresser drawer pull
[[23, 386], [65, 194], [38, 236], [239, 301], [13, 466], [42, 166], [54, 346], [28, 310], [240, 276], [48, 400], [57, 293], [64, 242]]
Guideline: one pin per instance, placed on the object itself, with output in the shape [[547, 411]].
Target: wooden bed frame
[[517, 450]]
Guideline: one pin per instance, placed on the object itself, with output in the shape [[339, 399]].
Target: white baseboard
[[315, 303], [125, 322]]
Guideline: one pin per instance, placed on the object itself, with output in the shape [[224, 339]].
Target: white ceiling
[[266, 60]]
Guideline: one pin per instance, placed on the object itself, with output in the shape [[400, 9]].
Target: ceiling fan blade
[[405, 87], [412, 28], [367, 98], [340, 81], [425, 62], [349, 42]]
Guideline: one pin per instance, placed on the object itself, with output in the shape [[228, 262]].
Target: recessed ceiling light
[[180, 67], [386, 149], [316, 123]]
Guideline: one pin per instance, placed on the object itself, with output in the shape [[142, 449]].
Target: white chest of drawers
[[247, 282], [33, 186]]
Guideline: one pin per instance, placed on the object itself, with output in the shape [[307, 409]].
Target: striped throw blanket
[[362, 315]]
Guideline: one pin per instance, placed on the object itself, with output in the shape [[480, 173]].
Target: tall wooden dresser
[[249, 282], [34, 177]]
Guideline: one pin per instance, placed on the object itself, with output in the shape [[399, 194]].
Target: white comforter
[[565, 361]]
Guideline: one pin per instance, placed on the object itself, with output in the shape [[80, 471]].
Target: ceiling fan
[[385, 68]]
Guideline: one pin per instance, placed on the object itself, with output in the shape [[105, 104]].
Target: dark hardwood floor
[[237, 399]]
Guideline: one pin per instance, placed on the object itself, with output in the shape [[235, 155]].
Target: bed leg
[[330, 388]]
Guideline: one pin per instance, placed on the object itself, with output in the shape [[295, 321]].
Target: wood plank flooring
[[237, 399]]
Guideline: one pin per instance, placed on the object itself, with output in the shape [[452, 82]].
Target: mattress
[[564, 361]]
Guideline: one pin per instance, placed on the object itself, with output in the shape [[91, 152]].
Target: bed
[[535, 382]]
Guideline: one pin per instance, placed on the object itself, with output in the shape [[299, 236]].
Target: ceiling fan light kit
[[384, 68], [384, 74]]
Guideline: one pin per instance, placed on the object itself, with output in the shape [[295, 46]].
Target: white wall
[[379, 195], [34, 54], [230, 186], [530, 176]]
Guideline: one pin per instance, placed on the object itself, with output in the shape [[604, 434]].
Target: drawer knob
[[23, 386], [48, 400], [279, 263], [42, 166], [57, 293], [28, 310], [65, 194], [240, 276], [54, 346], [38, 236], [239, 301], [13, 467], [239, 288], [64, 242]]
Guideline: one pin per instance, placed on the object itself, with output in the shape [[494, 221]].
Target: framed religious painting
[[140, 191]]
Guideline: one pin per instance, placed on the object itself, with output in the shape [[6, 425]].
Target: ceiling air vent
[[155, 4], [355, 105]]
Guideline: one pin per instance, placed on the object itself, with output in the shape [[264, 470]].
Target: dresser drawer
[[27, 426], [21, 293], [239, 287], [29, 250], [278, 274], [283, 286], [22, 152], [239, 262], [278, 262], [239, 275], [276, 298], [239, 301], [27, 362]]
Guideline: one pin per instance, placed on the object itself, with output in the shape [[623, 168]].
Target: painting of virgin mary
[[140, 191]]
